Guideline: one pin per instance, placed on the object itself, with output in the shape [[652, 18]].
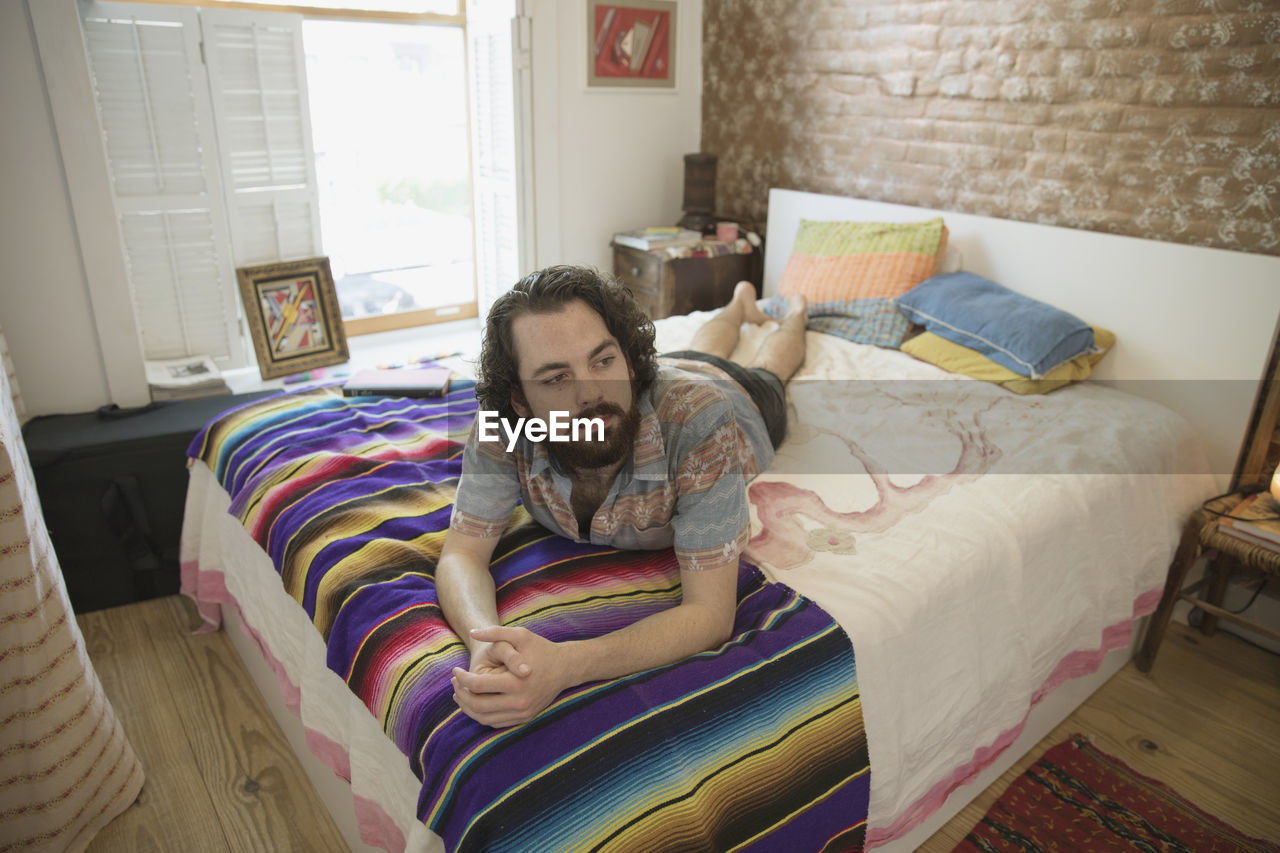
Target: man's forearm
[[656, 640], [466, 594]]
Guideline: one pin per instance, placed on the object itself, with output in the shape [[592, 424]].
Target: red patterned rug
[[1078, 798]]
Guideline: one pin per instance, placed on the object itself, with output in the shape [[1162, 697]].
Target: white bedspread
[[974, 544]]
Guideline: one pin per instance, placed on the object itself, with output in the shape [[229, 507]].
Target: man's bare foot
[[745, 295], [796, 304]]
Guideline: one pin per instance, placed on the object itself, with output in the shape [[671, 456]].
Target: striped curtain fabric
[[66, 767], [11, 377]]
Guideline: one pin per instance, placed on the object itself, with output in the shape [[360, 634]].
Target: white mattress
[[977, 546], [967, 594]]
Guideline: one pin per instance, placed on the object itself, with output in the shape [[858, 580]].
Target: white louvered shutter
[[153, 109], [257, 76], [493, 148]]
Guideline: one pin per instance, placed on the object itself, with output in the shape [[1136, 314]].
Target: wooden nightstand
[[665, 286]]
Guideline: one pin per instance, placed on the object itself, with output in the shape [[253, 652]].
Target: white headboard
[[1198, 322]]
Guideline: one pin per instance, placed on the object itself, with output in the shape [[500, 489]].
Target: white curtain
[[66, 767]]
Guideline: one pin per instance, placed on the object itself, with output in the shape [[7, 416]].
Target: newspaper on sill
[[185, 378]]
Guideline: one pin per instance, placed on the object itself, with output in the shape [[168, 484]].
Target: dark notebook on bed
[[410, 382]]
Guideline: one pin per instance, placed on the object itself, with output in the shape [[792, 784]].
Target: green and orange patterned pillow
[[843, 261]]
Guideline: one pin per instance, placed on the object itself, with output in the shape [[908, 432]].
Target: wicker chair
[[1226, 554]]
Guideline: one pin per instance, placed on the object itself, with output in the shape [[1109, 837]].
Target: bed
[[947, 569]]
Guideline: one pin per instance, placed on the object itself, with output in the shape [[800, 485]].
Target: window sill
[[398, 346]]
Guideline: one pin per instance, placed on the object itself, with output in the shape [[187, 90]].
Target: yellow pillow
[[929, 347]]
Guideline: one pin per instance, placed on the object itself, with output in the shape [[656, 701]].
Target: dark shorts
[[763, 387]]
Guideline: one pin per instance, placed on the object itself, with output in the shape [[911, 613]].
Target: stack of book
[[185, 378], [1255, 520], [658, 237]]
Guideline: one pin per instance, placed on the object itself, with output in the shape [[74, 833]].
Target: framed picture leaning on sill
[[293, 314]]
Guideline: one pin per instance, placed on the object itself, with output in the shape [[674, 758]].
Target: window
[[240, 136], [393, 163]]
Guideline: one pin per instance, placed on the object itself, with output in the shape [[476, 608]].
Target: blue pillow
[[1025, 335]]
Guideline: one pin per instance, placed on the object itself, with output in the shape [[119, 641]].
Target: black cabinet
[[112, 488]]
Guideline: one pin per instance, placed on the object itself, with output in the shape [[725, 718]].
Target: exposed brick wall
[[1151, 118]]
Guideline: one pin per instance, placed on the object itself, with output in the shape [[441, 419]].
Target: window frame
[[357, 326], [373, 324], [63, 57], [458, 18]]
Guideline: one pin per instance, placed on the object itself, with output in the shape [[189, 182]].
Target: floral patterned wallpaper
[[1150, 118]]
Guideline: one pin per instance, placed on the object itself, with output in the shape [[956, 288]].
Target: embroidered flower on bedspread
[[830, 539]]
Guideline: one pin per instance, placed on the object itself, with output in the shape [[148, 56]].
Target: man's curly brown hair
[[548, 291]]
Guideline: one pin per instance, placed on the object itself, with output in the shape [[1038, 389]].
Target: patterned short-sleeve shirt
[[700, 441]]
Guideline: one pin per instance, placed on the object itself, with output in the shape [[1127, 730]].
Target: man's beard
[[619, 438]]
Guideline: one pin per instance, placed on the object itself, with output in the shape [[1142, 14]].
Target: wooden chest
[[665, 286]]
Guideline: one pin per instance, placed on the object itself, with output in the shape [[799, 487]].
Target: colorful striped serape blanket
[[755, 745]]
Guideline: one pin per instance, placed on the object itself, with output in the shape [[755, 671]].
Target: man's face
[[568, 362]]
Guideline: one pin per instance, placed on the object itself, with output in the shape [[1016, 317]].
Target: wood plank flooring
[[220, 775]]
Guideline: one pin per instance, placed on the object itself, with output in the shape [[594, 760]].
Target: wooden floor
[[220, 775], [1206, 722]]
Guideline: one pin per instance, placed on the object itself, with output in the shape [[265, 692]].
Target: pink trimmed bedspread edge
[[209, 592], [1074, 665]]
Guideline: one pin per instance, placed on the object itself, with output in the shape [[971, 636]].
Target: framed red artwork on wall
[[631, 44]]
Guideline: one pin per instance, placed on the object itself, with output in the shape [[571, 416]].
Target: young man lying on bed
[[671, 470]]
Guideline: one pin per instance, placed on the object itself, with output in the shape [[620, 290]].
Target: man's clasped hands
[[514, 675]]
